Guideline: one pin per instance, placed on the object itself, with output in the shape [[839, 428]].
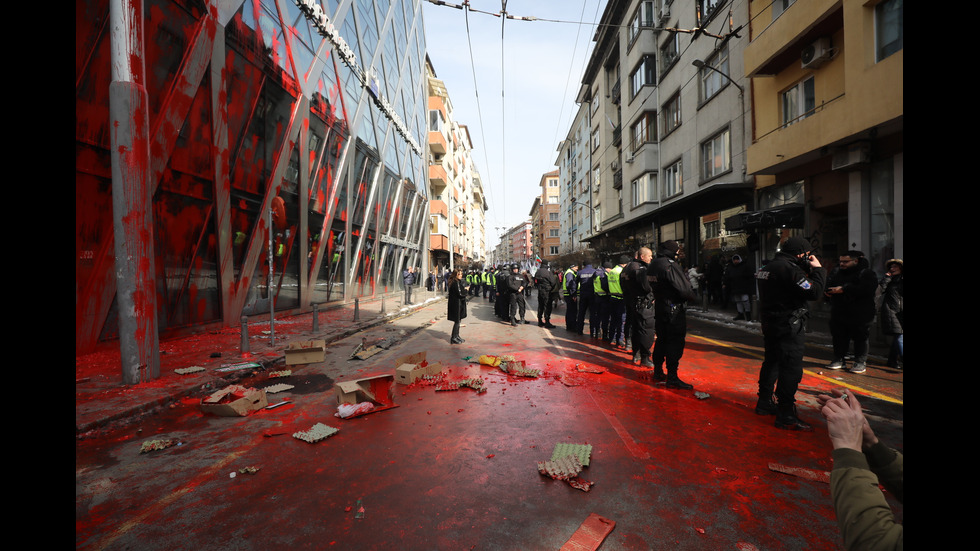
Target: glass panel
[[882, 203]]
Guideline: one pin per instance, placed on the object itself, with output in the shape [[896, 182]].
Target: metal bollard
[[244, 345], [357, 309], [316, 318], [382, 305]]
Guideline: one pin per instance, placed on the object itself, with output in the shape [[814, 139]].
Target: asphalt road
[[457, 469]]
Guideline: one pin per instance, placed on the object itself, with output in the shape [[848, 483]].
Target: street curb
[[150, 406]]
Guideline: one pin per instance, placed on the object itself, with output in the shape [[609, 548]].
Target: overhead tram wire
[[479, 110], [569, 77], [529, 18], [466, 7], [503, 111]]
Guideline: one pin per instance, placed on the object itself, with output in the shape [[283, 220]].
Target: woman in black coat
[[457, 304]]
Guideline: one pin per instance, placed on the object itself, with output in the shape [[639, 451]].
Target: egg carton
[[582, 452], [186, 370], [316, 433], [277, 388]]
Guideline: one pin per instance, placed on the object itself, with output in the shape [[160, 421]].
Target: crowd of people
[[630, 300], [627, 300]]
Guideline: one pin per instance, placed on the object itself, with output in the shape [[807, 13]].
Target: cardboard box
[[234, 401], [411, 367], [378, 390], [306, 352]]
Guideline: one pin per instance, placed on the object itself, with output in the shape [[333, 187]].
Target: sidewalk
[[101, 398]]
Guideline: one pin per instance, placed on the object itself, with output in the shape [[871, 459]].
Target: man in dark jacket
[[408, 278], [640, 318], [545, 282], [569, 288], [586, 291], [739, 284], [851, 289], [672, 290], [786, 283], [515, 291], [500, 306]]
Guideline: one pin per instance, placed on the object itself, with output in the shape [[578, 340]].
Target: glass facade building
[[282, 132]]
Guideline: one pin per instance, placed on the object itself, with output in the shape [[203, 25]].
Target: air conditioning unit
[[614, 166], [664, 13], [853, 156], [816, 53]]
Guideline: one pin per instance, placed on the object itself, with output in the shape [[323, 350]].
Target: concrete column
[[132, 202]]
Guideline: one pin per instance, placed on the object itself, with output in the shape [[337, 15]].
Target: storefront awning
[[790, 216]]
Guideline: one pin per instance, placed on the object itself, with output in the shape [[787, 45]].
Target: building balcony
[[779, 44], [438, 176], [438, 242], [437, 206], [437, 143]]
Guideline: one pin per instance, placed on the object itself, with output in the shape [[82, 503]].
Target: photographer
[[860, 461]]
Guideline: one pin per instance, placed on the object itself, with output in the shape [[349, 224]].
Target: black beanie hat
[[670, 247], [795, 246]]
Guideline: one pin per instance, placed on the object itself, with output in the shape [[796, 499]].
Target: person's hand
[[846, 424], [814, 261], [835, 290]]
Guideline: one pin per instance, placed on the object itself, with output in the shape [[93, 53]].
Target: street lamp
[[741, 98], [702, 65], [588, 207], [449, 224]]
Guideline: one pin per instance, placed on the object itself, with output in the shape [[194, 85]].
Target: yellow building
[[828, 128]]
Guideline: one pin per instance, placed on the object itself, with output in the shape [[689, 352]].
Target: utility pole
[[132, 198]]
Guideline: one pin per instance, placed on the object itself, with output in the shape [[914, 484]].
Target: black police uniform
[[515, 290], [546, 282], [672, 289], [784, 289]]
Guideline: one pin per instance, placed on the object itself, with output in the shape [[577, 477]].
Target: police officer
[[671, 290], [617, 306], [638, 294], [491, 285], [585, 296], [569, 289], [599, 321], [786, 283], [515, 290], [546, 282], [500, 306], [487, 280]]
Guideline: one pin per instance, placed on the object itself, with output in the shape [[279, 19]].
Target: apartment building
[[828, 155], [545, 224], [576, 215], [457, 206], [667, 105], [516, 245]]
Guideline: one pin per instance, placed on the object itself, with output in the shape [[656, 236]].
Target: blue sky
[[527, 106]]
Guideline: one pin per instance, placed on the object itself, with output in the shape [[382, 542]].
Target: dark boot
[[673, 381], [658, 372], [787, 419], [765, 405]]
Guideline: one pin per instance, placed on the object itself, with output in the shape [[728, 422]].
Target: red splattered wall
[[215, 174]]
